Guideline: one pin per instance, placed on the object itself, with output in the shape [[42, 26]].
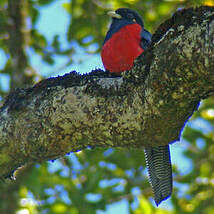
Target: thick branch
[[147, 106]]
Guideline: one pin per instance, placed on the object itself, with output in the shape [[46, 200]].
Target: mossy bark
[[147, 106]]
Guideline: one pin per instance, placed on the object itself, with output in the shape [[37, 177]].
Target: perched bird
[[124, 42]]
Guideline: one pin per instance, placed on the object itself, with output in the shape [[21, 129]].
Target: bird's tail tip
[[160, 172], [158, 200]]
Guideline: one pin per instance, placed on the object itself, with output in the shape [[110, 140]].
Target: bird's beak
[[114, 15]]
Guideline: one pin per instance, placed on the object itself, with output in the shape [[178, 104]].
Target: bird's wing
[[146, 39], [160, 172]]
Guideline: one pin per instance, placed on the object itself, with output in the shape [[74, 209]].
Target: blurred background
[[43, 38]]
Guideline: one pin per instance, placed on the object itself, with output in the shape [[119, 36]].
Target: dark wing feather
[[146, 39]]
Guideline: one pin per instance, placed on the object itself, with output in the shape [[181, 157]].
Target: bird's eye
[[134, 20]]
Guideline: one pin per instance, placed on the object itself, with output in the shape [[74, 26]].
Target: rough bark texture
[[147, 106]]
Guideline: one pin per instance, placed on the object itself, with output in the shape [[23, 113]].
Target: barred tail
[[160, 171]]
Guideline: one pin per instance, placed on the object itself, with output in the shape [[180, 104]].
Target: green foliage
[[200, 193], [89, 181], [98, 174], [146, 208]]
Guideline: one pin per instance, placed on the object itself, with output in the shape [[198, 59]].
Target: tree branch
[[147, 106], [22, 73]]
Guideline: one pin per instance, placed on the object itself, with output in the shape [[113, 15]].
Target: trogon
[[125, 40]]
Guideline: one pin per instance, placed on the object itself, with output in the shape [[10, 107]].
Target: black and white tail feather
[[160, 172]]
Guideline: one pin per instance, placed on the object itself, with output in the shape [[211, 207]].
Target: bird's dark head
[[126, 15], [122, 17]]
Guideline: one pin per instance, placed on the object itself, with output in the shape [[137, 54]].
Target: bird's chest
[[120, 51]]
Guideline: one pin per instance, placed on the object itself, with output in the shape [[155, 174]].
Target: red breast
[[120, 51]]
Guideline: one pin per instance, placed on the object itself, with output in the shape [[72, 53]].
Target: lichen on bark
[[146, 106]]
